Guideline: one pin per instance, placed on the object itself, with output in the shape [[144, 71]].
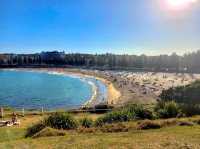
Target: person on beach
[[14, 118]]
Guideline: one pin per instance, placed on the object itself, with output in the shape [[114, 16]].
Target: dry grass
[[49, 132], [29, 120]]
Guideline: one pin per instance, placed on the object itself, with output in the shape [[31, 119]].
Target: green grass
[[10, 134], [171, 137]]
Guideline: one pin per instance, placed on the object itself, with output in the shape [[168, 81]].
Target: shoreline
[[112, 93]]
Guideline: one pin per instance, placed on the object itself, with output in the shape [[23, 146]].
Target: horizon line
[[104, 53]]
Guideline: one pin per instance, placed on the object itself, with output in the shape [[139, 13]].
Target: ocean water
[[33, 90]]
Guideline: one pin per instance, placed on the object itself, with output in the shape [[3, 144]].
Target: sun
[[180, 4]]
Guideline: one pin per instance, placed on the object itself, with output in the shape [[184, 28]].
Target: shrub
[[159, 105], [187, 97], [138, 112], [111, 117], [35, 129], [168, 110], [99, 122], [190, 109], [149, 125], [188, 94], [128, 113], [61, 121], [86, 122], [57, 120]]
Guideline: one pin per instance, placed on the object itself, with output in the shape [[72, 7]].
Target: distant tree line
[[189, 62]]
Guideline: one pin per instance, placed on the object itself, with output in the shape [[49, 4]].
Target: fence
[[22, 111]]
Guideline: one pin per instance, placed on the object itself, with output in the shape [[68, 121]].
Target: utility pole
[[23, 112], [42, 110], [2, 114]]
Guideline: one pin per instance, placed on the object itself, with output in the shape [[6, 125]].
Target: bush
[[86, 122], [190, 109], [168, 110], [128, 113], [61, 121], [99, 122], [138, 112], [57, 120], [35, 129], [188, 94], [149, 125], [159, 105], [112, 117], [172, 109]]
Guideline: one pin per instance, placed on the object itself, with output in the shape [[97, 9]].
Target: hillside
[[174, 136]]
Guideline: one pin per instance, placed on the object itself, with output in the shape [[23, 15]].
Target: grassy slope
[[171, 137]]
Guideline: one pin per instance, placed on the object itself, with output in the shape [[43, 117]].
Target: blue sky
[[98, 26]]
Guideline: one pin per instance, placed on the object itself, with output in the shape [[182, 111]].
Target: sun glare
[[180, 4]]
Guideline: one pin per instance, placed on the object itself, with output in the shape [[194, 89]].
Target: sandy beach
[[113, 93], [138, 87], [145, 87]]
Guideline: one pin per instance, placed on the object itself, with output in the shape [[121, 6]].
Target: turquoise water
[[36, 89]]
